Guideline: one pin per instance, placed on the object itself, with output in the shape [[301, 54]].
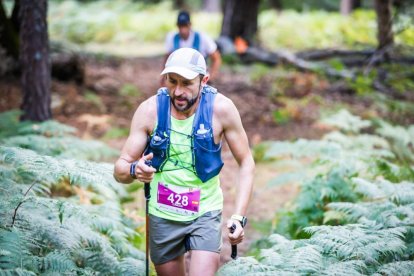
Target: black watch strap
[[242, 219]]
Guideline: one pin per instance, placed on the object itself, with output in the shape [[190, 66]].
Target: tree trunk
[[15, 15], [34, 56], [385, 35], [346, 7], [8, 35], [276, 4], [180, 5], [211, 5], [240, 19]]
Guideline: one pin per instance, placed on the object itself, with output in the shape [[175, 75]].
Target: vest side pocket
[[208, 161], [158, 145]]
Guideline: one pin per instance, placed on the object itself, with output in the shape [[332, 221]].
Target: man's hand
[[143, 172], [237, 236]]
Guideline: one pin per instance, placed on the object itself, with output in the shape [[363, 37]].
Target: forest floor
[[114, 87]]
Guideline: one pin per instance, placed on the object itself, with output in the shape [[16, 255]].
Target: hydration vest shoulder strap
[[163, 111], [204, 113], [196, 42], [176, 41]]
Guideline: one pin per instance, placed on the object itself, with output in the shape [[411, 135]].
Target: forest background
[[325, 92]]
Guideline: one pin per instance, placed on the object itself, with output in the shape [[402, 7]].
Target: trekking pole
[[147, 198], [147, 194], [234, 246]]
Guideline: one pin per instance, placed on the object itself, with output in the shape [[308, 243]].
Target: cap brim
[[184, 72]]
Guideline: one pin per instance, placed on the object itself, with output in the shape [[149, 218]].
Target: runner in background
[[186, 37]]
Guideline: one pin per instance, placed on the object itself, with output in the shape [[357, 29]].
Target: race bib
[[180, 200]]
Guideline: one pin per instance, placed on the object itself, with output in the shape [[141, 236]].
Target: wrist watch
[[242, 219]]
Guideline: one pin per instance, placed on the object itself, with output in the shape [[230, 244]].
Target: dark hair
[[183, 18]]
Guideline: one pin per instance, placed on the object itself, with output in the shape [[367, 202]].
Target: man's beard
[[186, 107]]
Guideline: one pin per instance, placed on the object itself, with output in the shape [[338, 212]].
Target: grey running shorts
[[170, 239]]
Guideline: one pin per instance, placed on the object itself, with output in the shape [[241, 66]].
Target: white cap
[[186, 62]]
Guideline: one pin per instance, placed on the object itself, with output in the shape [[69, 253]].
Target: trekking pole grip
[[233, 246]]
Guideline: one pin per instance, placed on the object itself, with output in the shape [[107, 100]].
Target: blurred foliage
[[116, 132], [129, 90], [119, 22], [131, 23], [95, 100]]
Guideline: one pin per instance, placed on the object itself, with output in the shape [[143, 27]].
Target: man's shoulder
[[222, 104], [149, 106], [170, 35]]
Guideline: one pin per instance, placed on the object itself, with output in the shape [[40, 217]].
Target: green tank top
[[179, 172]]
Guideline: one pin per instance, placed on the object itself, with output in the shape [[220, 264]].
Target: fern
[[353, 267], [64, 147], [400, 193], [248, 266], [58, 261], [401, 140], [47, 128], [346, 122], [9, 123], [359, 242], [392, 172], [395, 268], [54, 236], [17, 271]]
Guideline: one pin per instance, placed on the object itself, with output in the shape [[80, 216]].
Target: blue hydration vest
[[196, 42], [206, 154]]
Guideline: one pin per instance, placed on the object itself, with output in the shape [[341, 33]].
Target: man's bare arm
[[141, 124], [238, 143]]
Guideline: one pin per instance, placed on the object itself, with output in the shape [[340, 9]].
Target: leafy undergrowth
[[60, 213], [355, 212], [136, 27]]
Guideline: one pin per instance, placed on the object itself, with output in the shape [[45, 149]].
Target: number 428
[[177, 199]]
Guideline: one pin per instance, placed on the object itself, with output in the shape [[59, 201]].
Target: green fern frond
[[63, 147], [58, 261], [401, 140], [371, 190], [30, 168], [363, 144], [304, 260], [132, 267], [301, 148], [49, 128], [344, 268], [245, 266], [346, 122], [355, 241], [392, 172], [16, 271], [396, 268], [400, 193], [352, 211], [10, 123], [403, 193], [17, 246]]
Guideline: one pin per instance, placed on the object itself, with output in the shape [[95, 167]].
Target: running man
[[175, 144]]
